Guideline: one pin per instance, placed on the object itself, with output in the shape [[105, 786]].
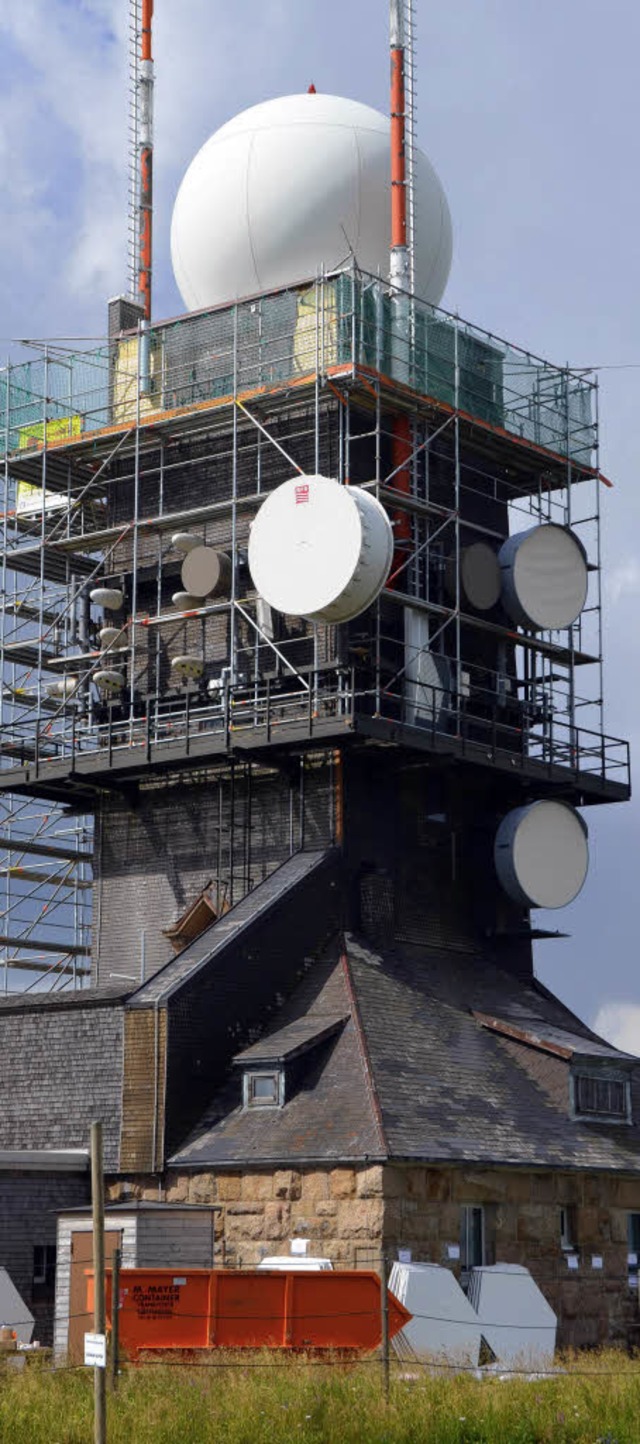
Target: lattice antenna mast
[[403, 76], [141, 74]]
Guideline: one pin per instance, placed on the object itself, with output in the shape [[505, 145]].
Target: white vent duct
[[542, 854], [320, 550], [14, 1313], [544, 577], [444, 1326], [516, 1320]]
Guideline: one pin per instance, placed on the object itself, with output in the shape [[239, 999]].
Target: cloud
[[619, 1023], [623, 580]]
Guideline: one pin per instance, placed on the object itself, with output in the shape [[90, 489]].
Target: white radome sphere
[[293, 185]]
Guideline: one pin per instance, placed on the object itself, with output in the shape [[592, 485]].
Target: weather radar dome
[[294, 185]]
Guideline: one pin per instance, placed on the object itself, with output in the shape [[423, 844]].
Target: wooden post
[[384, 1313], [115, 1317], [97, 1201]]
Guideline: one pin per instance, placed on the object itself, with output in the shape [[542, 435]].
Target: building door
[[80, 1322]]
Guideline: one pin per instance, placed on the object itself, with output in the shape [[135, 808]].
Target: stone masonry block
[[315, 1185], [257, 1185], [362, 1220], [343, 1182], [537, 1224], [519, 1188], [287, 1183], [202, 1188], [369, 1182], [177, 1188], [229, 1187], [277, 1220], [437, 1185]]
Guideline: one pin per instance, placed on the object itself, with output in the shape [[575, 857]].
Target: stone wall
[[351, 1214]]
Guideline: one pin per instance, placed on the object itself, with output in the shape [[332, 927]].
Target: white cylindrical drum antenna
[[542, 854], [206, 573], [544, 577], [320, 550]]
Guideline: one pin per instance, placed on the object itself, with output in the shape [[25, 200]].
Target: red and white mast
[[145, 142], [141, 154], [401, 267]]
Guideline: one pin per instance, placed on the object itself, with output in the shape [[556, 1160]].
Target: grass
[[597, 1399]]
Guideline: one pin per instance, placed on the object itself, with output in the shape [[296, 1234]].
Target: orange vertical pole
[[398, 151]]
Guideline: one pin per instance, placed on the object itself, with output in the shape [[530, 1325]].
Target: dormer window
[[262, 1089], [272, 1068], [601, 1096]]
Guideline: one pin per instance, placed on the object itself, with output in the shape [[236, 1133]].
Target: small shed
[[149, 1235]]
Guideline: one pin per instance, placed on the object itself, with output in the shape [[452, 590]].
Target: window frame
[[250, 1078], [599, 1077], [467, 1210], [44, 1276]]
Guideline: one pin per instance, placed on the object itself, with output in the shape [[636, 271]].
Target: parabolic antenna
[[544, 577], [320, 550], [293, 186], [542, 854]]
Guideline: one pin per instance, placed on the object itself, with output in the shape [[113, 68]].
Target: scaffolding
[[107, 459]]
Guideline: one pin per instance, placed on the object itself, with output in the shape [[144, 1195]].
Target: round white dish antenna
[[184, 602], [480, 576], [185, 541], [111, 598], [320, 550], [542, 854], [293, 186], [187, 668], [109, 682], [544, 577]]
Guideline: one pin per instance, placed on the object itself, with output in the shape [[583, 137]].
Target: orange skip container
[[250, 1309]]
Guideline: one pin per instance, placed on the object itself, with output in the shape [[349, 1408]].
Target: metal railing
[[340, 322], [312, 707]]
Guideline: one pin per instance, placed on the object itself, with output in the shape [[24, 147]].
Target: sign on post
[[95, 1351]]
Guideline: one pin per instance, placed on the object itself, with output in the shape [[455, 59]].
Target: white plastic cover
[[444, 1325], [426, 676], [515, 1318], [297, 1263], [544, 577], [292, 186], [13, 1311], [542, 854], [320, 550]]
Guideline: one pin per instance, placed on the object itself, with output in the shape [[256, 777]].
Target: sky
[[530, 112]]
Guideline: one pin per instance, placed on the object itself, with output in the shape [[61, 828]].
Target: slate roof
[[57, 1002], [414, 1075], [212, 942], [293, 1040], [330, 1116]]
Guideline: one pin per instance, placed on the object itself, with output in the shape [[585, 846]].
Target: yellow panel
[[60, 429], [125, 382]]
